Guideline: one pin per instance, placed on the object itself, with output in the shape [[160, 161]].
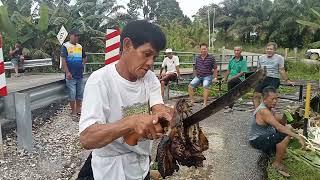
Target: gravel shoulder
[[58, 155]]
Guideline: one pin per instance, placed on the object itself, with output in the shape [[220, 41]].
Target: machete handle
[[133, 138]]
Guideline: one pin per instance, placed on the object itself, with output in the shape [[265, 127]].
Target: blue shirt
[[74, 55]]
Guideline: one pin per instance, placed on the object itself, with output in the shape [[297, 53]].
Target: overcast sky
[[189, 7]]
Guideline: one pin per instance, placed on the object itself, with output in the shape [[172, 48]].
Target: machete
[[215, 106], [223, 101]]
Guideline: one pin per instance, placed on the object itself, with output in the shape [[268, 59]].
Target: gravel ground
[[56, 152]]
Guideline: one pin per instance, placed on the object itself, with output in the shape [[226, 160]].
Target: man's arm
[[99, 135], [226, 74], [215, 69], [162, 66], [161, 69], [285, 76], [63, 57], [177, 63], [178, 71], [269, 118], [84, 57]]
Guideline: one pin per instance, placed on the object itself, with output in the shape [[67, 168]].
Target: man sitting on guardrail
[[274, 64], [235, 73], [17, 58], [205, 70], [73, 57], [171, 63]]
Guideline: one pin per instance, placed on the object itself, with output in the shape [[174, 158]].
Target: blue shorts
[[206, 81], [75, 89]]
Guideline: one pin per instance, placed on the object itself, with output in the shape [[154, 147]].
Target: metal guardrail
[[17, 107], [31, 63], [186, 58]]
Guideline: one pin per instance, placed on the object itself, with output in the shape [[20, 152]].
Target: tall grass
[[298, 70]]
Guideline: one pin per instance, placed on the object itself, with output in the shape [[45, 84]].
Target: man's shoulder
[[150, 76], [278, 57], [102, 74], [210, 56]]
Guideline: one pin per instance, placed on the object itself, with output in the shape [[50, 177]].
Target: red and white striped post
[[112, 46], [3, 85]]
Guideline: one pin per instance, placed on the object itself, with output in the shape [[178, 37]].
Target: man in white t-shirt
[[116, 104], [171, 63]]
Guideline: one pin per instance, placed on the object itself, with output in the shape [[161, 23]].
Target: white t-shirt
[[108, 97], [171, 64], [273, 64]]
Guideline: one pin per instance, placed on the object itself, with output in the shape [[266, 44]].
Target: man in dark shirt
[[205, 69], [73, 57], [16, 57]]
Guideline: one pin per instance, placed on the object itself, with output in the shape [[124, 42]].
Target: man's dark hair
[[141, 32], [203, 44], [267, 90], [18, 42]]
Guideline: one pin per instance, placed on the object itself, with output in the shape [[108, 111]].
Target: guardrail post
[[9, 104], [252, 59], [24, 121], [84, 68], [300, 93]]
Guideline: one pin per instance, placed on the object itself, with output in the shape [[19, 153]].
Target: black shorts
[[267, 143], [268, 81]]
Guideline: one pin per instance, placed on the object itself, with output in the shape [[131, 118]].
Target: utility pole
[[213, 33], [209, 29]]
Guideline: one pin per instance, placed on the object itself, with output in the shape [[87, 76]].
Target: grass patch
[[301, 71], [297, 169], [287, 90]]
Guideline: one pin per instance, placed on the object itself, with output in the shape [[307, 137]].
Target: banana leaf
[[5, 23]]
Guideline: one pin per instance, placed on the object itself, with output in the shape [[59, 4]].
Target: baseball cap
[[74, 32]]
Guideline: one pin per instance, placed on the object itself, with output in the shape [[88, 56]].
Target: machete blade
[[223, 101]]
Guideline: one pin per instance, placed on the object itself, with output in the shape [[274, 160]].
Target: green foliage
[[302, 71], [314, 45], [5, 23], [44, 18], [297, 169]]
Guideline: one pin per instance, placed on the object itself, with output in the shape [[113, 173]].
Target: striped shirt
[[205, 66]]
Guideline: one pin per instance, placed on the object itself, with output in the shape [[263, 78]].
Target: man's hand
[[214, 80], [224, 80], [150, 126], [68, 75]]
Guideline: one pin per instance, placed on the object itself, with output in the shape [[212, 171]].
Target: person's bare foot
[[281, 169]]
